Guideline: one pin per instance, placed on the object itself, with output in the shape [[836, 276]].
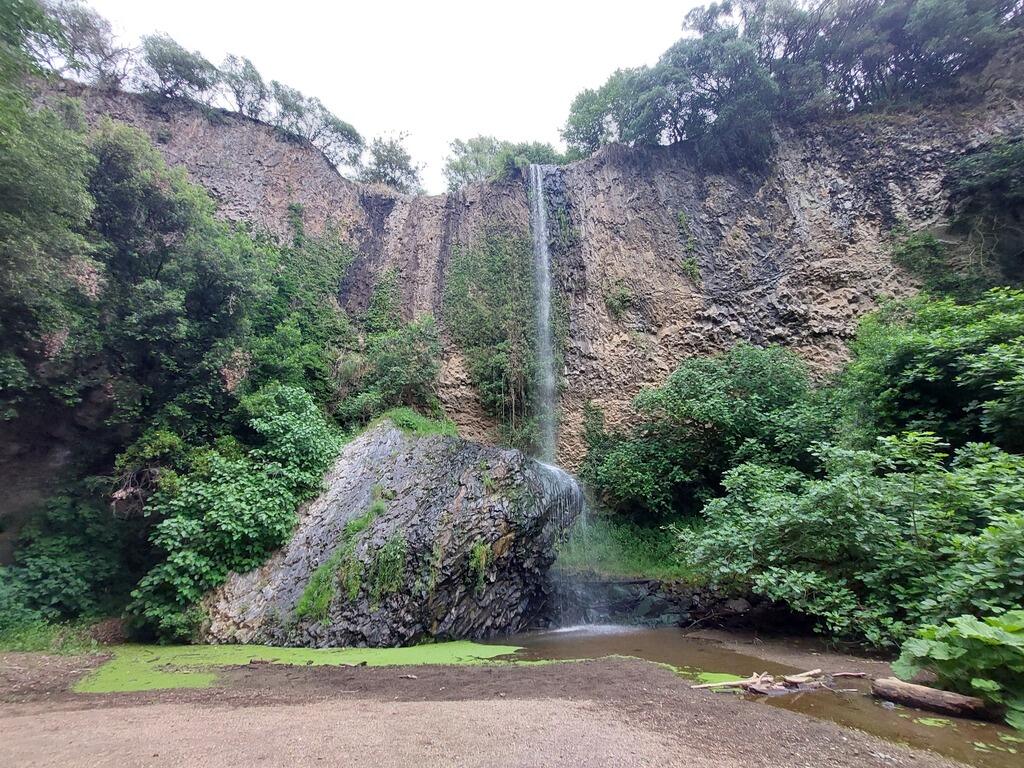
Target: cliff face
[[655, 260]]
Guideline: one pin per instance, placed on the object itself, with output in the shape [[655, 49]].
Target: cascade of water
[[546, 389], [568, 505]]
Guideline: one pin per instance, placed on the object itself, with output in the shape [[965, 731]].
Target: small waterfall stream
[[546, 387]]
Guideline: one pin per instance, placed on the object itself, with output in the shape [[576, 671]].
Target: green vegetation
[[977, 658], [485, 158], [229, 512], [747, 65], [207, 367], [622, 549], [151, 667], [489, 305], [619, 299], [388, 567], [887, 539], [692, 269], [479, 558], [710, 414], [415, 423], [45, 637], [389, 163], [316, 599]]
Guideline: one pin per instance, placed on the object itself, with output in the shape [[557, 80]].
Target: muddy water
[[980, 744]]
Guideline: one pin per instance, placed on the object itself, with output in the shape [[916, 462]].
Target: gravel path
[[610, 712]]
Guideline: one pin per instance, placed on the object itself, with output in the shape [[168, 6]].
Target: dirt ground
[[610, 712]]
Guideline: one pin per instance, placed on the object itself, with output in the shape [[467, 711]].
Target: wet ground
[[259, 706], [985, 745]]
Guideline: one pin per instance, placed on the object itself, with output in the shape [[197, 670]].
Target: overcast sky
[[437, 70]]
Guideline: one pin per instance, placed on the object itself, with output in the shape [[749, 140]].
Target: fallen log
[[923, 697], [849, 674]]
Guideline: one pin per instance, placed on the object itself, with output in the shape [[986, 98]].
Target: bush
[[712, 413], [940, 366], [976, 657], [228, 513], [886, 540]]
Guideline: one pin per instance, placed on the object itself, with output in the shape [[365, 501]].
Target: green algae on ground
[[935, 722], [155, 667], [705, 678]]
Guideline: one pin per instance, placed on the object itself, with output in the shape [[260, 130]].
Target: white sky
[[438, 70]]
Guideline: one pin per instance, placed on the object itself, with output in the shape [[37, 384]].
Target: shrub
[[228, 513], [977, 657], [886, 540], [939, 366], [712, 413]]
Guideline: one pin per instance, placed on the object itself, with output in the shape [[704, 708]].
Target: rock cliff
[[655, 259], [413, 538]]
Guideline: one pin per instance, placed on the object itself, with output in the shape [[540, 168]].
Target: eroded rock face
[[456, 542], [794, 255]]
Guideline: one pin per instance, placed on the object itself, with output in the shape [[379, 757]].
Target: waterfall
[[546, 389], [568, 504]]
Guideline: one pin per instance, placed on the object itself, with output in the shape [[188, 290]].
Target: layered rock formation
[[413, 538], [655, 259]]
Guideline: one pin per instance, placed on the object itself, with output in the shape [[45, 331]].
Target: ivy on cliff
[[490, 309]]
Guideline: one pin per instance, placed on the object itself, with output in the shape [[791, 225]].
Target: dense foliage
[[489, 305], [978, 658], [204, 367], [232, 507], [935, 365], [747, 63], [883, 541], [712, 413]]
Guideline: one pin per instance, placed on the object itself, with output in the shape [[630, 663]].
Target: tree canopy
[[746, 63]]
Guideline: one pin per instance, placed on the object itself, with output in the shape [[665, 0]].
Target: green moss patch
[[157, 667]]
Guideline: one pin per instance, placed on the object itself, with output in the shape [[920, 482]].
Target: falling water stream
[[546, 389]]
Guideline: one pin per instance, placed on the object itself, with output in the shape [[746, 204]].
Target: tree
[[307, 118], [25, 29], [471, 161], [748, 63], [89, 46], [485, 158], [173, 72], [391, 164], [245, 85]]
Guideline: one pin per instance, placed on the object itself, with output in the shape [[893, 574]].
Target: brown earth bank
[[609, 712]]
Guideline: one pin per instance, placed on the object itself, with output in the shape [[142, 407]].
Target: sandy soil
[[613, 712]]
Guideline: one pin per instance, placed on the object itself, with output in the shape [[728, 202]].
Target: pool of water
[[985, 745]]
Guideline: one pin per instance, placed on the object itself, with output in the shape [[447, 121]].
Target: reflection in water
[[985, 745]]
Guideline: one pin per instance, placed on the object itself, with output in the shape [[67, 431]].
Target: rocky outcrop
[[655, 259], [591, 599], [413, 538]]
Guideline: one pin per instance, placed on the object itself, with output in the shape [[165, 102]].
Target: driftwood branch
[[768, 685]]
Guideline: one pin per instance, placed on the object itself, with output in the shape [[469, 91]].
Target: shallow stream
[[985, 745]]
